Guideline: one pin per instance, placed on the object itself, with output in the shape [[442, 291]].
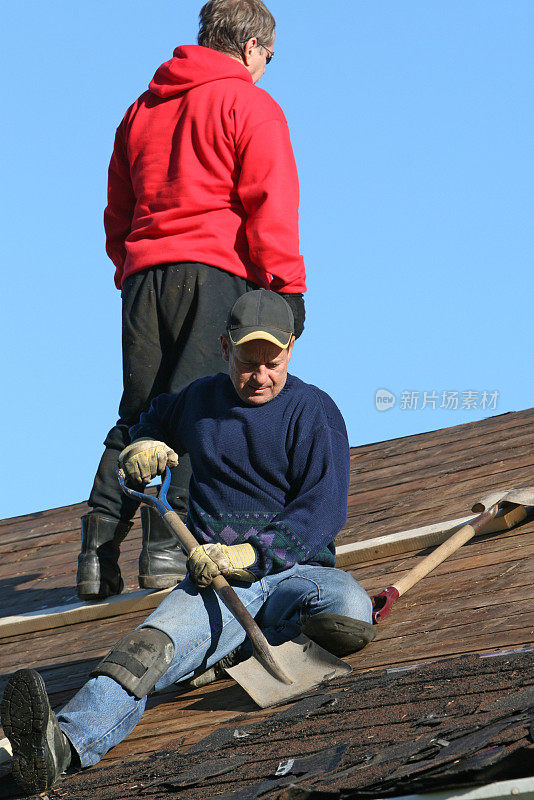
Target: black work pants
[[172, 317]]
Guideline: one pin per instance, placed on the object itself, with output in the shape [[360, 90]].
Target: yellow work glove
[[208, 560], [145, 458]]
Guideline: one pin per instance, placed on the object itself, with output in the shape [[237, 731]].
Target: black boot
[[161, 563], [99, 575], [41, 751], [338, 634]]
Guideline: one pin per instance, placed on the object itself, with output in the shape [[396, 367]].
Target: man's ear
[[290, 348], [225, 348], [249, 46]]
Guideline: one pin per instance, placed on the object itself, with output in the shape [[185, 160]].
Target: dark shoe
[[41, 751], [161, 563], [217, 670], [338, 634], [99, 575]]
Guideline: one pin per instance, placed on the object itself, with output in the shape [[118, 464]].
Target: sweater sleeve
[[162, 421], [317, 507], [121, 205], [269, 191]]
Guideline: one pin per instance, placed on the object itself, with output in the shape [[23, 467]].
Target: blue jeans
[[102, 713]]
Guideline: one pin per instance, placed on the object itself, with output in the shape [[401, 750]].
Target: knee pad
[[338, 634], [138, 660]]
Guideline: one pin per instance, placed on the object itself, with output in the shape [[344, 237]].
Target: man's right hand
[[296, 304], [145, 458]]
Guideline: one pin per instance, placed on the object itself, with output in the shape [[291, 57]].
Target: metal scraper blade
[[305, 662]]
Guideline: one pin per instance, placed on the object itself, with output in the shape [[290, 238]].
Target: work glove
[[145, 458], [208, 560], [296, 304]]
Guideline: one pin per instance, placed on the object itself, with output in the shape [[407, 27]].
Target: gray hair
[[226, 25]]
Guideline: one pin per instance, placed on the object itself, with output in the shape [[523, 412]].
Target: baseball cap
[[261, 314]]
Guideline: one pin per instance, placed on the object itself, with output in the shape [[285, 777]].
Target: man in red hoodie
[[202, 207]]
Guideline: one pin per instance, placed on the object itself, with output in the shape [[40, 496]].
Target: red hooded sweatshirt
[[203, 170]]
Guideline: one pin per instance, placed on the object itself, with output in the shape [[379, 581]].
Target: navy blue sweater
[[274, 475]]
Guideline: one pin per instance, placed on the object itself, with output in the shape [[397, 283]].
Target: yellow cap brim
[[268, 337]]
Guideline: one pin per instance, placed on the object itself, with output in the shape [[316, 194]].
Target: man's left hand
[[208, 560]]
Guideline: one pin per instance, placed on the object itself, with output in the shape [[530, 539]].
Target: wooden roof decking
[[480, 600]]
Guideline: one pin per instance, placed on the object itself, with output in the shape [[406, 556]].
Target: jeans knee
[[344, 595]]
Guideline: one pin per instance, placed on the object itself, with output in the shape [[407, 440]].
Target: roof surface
[[477, 602]]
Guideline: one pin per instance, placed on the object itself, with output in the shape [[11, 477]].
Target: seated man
[[268, 495]]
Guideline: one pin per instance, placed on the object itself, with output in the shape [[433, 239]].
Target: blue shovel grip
[[160, 503]]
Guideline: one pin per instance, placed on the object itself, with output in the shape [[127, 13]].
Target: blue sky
[[412, 129]]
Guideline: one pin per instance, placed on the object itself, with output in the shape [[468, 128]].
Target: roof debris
[[319, 749]]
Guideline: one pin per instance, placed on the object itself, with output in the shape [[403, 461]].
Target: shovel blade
[[307, 663]]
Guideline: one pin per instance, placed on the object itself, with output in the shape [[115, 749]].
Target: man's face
[[258, 369]]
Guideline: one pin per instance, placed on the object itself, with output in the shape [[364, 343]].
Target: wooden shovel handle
[[185, 536], [219, 583], [231, 601], [445, 550]]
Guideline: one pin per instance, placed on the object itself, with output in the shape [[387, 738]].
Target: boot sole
[[25, 715], [92, 590], [159, 581]]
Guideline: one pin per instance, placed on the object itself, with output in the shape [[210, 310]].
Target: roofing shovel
[[489, 506], [273, 674]]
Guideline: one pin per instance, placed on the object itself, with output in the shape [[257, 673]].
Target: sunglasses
[[271, 53], [270, 57]]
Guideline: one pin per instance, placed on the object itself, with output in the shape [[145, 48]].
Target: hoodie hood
[[193, 65]]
